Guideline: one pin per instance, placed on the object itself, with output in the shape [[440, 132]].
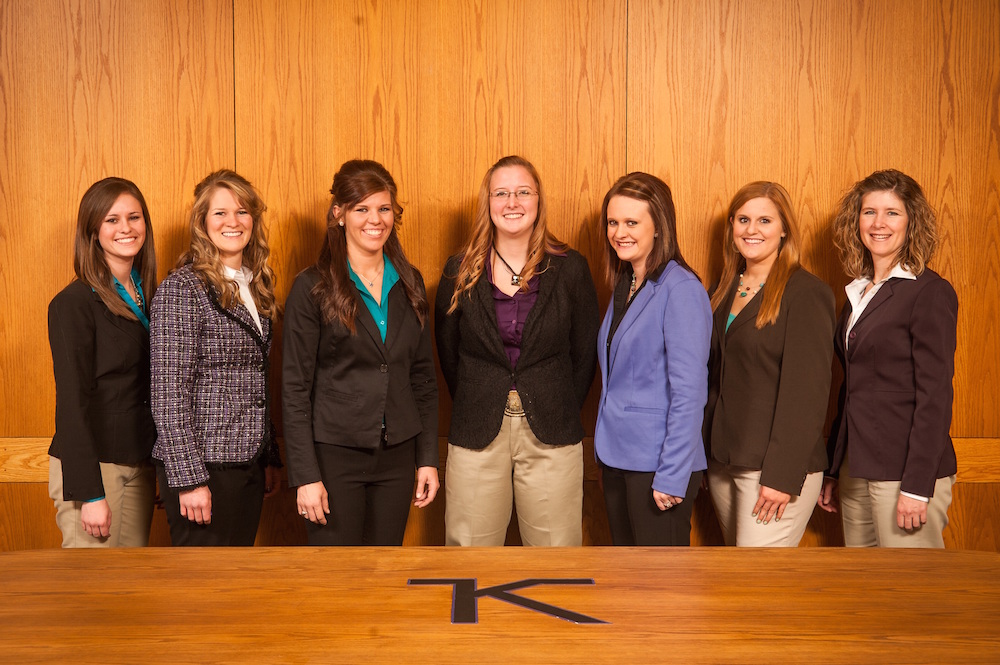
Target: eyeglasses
[[520, 194]]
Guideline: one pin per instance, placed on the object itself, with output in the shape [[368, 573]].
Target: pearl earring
[[340, 223]]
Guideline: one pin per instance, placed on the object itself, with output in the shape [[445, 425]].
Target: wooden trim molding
[[25, 459]]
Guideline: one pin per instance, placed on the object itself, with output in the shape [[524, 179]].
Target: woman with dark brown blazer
[[769, 376], [359, 388], [210, 334], [100, 475], [516, 323], [891, 455]]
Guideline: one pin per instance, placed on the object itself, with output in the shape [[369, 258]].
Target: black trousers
[[237, 498], [370, 494], [634, 517]]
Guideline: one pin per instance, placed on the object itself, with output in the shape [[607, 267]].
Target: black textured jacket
[[556, 365]]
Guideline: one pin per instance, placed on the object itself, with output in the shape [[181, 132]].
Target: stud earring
[[340, 223]]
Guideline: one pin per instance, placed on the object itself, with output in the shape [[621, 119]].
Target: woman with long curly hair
[[359, 387], [891, 456], [516, 323], [210, 332]]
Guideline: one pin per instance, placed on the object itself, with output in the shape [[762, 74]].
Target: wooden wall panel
[[88, 90]]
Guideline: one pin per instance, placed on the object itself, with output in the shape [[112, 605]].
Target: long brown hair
[[356, 180], [657, 197], [477, 249], [89, 262], [786, 263], [204, 256], [921, 227]]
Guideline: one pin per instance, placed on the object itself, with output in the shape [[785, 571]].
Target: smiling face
[[513, 215], [631, 231], [228, 224], [367, 224], [882, 225], [757, 232], [122, 233]]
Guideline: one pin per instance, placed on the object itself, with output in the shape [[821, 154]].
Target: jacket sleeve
[[72, 338], [300, 349], [933, 333], [583, 330], [423, 382], [446, 326], [174, 338], [687, 324], [803, 388]]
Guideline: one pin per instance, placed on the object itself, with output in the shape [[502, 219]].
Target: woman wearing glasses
[[516, 323]]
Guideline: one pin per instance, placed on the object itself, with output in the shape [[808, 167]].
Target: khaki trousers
[[868, 508], [735, 491], [546, 482], [130, 492]]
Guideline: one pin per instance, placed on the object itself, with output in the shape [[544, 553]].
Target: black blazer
[[895, 402], [556, 365], [338, 387], [101, 366], [768, 389]]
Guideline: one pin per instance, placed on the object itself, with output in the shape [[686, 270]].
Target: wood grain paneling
[[91, 89]]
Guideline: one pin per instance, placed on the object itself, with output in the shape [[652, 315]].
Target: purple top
[[512, 312]]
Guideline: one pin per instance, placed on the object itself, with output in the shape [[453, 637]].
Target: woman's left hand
[[665, 501], [427, 486], [770, 503], [911, 513], [272, 481]]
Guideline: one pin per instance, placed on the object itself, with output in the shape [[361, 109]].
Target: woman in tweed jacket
[[210, 334]]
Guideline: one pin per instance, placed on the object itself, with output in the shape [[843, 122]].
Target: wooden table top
[[358, 605]]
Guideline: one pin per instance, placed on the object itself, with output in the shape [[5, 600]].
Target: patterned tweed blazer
[[210, 393]]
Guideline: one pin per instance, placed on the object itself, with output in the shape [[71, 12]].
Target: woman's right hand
[[196, 504], [313, 502], [96, 518], [828, 498]]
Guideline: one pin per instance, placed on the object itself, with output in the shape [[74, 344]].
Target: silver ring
[[669, 505], [304, 513]]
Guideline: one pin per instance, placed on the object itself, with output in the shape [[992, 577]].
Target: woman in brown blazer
[[769, 376], [896, 339]]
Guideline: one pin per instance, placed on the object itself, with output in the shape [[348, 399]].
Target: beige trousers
[[735, 491], [546, 482], [130, 492], [868, 508]]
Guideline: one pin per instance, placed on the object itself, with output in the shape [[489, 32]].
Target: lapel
[[484, 308], [640, 300], [364, 318], [241, 316], [546, 285], [747, 315], [398, 304], [127, 326], [860, 328]]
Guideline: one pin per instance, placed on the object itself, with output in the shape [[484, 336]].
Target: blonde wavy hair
[[786, 263], [204, 256], [477, 249], [921, 228]]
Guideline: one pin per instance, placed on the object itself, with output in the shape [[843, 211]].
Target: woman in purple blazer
[[653, 356], [891, 455], [210, 335]]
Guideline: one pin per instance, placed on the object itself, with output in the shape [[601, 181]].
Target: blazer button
[[383, 368], [259, 403], [852, 335]]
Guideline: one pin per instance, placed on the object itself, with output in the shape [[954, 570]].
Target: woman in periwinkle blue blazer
[[653, 355]]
